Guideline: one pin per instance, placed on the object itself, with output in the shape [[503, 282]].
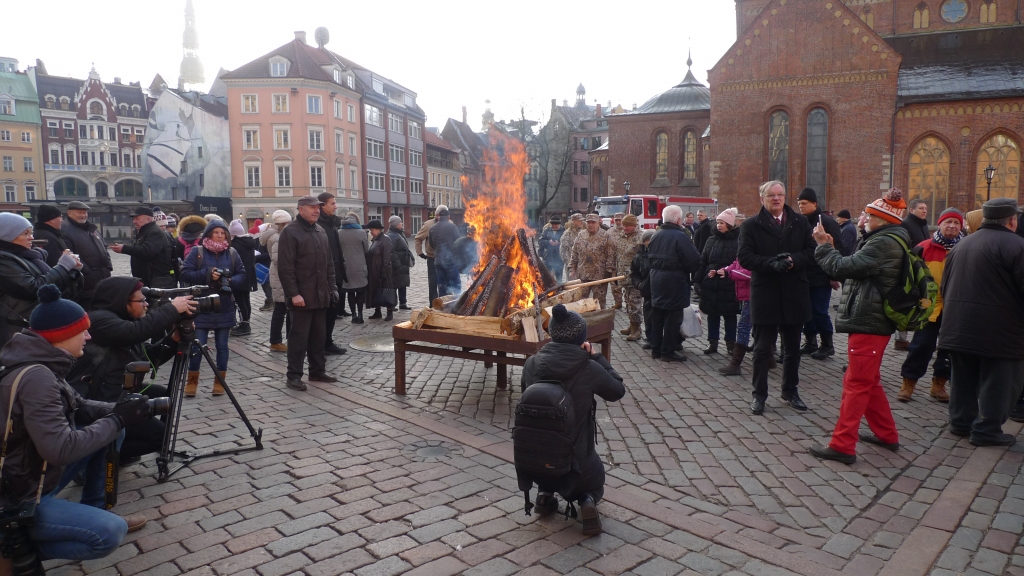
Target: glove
[[132, 412], [67, 262], [335, 297], [424, 256], [781, 263]]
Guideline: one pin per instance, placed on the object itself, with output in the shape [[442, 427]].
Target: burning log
[[529, 248], [498, 292], [445, 303], [467, 301]]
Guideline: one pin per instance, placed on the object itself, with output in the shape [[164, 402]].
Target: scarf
[[214, 246], [34, 255], [947, 243]]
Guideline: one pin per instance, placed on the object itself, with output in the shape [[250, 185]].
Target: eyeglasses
[[140, 301]]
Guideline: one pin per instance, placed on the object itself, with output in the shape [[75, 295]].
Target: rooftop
[[687, 96]]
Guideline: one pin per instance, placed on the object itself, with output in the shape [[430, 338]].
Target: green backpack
[[911, 301]]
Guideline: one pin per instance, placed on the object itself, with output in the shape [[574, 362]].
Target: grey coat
[[403, 258], [269, 238], [354, 245]]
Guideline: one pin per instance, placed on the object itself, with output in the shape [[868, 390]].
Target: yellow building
[[21, 171]]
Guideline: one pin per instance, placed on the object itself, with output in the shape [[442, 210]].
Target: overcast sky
[[452, 53]]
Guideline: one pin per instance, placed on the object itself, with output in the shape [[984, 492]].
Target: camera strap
[[10, 426]]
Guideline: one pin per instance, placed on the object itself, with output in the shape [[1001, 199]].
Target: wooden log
[[497, 300], [529, 248], [476, 324], [580, 307], [558, 288], [481, 300], [564, 298], [445, 303], [464, 305], [530, 330], [599, 282]]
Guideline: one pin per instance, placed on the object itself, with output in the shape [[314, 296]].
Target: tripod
[[169, 460]]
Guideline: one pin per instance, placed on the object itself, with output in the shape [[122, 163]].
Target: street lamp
[[626, 186], [990, 172]]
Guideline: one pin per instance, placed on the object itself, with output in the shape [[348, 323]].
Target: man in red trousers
[[871, 271]]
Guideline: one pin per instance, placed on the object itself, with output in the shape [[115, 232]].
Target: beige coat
[[269, 238]]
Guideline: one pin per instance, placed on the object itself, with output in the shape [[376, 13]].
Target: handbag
[[385, 298], [692, 326]]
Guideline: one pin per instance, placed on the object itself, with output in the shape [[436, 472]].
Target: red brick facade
[[632, 142]]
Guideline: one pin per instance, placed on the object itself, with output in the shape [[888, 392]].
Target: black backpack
[[544, 437]]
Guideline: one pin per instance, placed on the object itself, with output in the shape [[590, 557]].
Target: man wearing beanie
[[870, 273], [821, 285], [934, 252], [848, 230], [570, 360], [42, 409], [48, 227], [983, 325]]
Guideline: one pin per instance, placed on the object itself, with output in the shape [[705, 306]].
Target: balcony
[[90, 168]]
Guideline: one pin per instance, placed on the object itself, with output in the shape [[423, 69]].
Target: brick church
[[851, 98]]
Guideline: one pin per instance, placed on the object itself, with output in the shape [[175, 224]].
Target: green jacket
[[871, 271]]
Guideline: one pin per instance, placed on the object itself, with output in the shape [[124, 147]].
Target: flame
[[498, 210]]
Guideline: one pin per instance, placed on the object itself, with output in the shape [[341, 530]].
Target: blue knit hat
[[567, 327], [55, 318], [12, 225]]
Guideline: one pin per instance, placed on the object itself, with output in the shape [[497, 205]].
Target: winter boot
[[268, 305], [810, 345], [938, 390], [712, 347], [634, 333], [733, 367], [627, 330], [826, 348], [218, 390], [730, 346], [390, 316], [242, 329], [192, 385], [589, 516], [907, 390]]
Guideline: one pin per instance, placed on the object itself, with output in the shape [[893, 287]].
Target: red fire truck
[[647, 208]]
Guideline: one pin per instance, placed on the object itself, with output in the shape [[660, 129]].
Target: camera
[[134, 372], [15, 544], [204, 304], [225, 279]]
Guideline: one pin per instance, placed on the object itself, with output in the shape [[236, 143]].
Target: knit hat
[[55, 318], [172, 222], [280, 217], [844, 214], [47, 212], [890, 207], [567, 327], [728, 216], [629, 220], [556, 219], [211, 217], [808, 194], [951, 213], [236, 228], [394, 220], [647, 235], [12, 225], [161, 219]]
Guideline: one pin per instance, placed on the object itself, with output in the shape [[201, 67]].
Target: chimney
[[597, 112], [565, 102], [463, 114], [300, 35], [609, 104], [117, 79]]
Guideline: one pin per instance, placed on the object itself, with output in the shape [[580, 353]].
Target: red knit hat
[[55, 318], [891, 207]]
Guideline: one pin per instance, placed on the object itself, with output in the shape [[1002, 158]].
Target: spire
[[690, 79], [191, 71]]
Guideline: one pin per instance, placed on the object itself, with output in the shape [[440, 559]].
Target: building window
[[397, 154], [954, 11], [929, 174], [378, 86], [10, 193], [70, 187], [374, 148], [353, 180], [52, 126], [126, 135], [316, 176], [252, 177], [83, 131], [417, 221], [584, 167], [374, 181], [339, 141], [415, 130], [282, 140], [5, 135], [28, 164], [316, 139], [112, 134], [416, 186], [988, 12], [661, 156], [50, 102], [397, 184], [1004, 154], [921, 16], [127, 160], [351, 113], [280, 103], [575, 167], [69, 129], [95, 108], [373, 116], [351, 83], [817, 154], [54, 156], [415, 158], [26, 137], [337, 76], [65, 103], [284, 176], [113, 159], [584, 143], [584, 195], [140, 135], [778, 148], [30, 193], [249, 104], [395, 123], [251, 139], [575, 194], [279, 69], [337, 109], [868, 17], [71, 157], [690, 155], [352, 144], [313, 104], [7, 107], [128, 189]]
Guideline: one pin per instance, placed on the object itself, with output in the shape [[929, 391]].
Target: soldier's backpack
[[911, 301], [544, 438]]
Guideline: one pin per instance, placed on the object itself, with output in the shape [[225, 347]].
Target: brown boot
[[938, 390], [218, 390], [192, 385], [907, 390], [634, 332], [626, 330], [733, 367], [617, 306]]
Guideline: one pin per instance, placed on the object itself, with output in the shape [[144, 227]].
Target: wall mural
[[186, 152]]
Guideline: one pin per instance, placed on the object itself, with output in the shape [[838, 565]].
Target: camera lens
[[159, 406]]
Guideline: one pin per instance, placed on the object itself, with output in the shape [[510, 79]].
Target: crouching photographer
[[122, 325], [52, 433]]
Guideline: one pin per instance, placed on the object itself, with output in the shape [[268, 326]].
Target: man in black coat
[[776, 246], [705, 227], [331, 224], [983, 325], [83, 238], [848, 229], [442, 237], [821, 285], [151, 251], [47, 227], [916, 222], [673, 259]]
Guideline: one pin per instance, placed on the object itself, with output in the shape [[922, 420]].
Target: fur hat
[[951, 213], [567, 327], [891, 207], [47, 212], [55, 318], [728, 216], [808, 194]]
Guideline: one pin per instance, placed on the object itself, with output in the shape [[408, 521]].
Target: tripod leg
[[257, 436], [175, 392]]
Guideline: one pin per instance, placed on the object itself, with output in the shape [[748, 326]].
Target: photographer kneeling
[[56, 433], [121, 330]]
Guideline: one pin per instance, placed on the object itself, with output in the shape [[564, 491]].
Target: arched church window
[[778, 147], [817, 154], [690, 155], [988, 12], [921, 16], [954, 11], [95, 108], [661, 156], [929, 174], [1003, 153], [868, 17]]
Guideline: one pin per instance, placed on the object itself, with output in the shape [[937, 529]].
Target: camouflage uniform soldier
[[628, 244], [614, 234], [593, 258], [572, 230]]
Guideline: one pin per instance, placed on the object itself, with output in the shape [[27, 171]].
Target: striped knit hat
[[55, 318], [891, 207]]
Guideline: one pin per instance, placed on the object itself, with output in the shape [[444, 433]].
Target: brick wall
[[632, 145]]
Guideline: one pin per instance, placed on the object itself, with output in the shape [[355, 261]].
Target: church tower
[[191, 71]]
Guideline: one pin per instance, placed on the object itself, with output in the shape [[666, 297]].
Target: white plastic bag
[[693, 325]]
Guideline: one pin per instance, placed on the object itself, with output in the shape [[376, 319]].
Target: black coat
[[917, 228], [673, 258], [331, 225], [718, 294], [152, 257], [983, 295], [442, 236], [702, 233], [403, 259], [380, 266], [777, 297], [849, 233], [815, 276], [304, 265], [118, 339], [56, 244], [84, 240], [245, 246], [21, 276], [640, 272]]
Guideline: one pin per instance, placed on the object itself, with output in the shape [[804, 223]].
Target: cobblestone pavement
[[354, 479]]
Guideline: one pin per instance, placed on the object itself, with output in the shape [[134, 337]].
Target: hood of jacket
[[191, 227], [27, 347], [112, 295], [350, 223], [268, 233], [561, 361]]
